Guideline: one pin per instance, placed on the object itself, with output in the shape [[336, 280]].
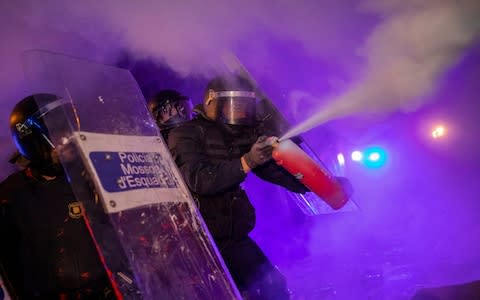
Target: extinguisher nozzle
[[273, 141]]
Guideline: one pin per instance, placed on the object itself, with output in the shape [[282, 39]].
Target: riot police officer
[[47, 251], [214, 153]]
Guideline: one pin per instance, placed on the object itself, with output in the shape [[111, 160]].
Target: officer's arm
[[202, 175]]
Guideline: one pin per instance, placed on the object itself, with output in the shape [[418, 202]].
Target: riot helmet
[[231, 100], [169, 108], [31, 135]]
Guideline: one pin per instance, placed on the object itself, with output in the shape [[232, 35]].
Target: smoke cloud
[[188, 36], [406, 54], [406, 45]]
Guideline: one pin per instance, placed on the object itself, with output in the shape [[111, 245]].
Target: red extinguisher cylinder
[[311, 173]]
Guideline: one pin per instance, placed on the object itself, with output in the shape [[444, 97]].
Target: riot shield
[[4, 295], [273, 123], [147, 230]]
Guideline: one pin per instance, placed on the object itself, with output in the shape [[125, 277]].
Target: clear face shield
[[36, 124], [34, 141], [236, 107]]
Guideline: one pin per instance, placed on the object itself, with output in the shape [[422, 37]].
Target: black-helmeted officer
[[214, 153], [169, 108], [47, 251]]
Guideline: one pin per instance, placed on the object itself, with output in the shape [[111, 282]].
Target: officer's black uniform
[[208, 156], [47, 251]]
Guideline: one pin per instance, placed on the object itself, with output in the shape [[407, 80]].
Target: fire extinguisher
[[311, 173]]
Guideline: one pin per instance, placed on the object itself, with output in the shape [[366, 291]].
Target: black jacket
[[208, 157], [46, 247]]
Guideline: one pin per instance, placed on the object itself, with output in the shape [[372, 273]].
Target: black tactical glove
[[259, 153]]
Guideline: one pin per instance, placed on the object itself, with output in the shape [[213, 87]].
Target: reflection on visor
[[244, 94], [42, 111], [35, 124]]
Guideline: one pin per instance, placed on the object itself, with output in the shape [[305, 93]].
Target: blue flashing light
[[374, 157]]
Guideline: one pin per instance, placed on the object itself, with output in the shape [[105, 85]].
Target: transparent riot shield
[[148, 232], [273, 123], [4, 295]]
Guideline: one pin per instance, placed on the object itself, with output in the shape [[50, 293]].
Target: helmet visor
[[36, 124], [32, 135], [171, 114], [236, 107]]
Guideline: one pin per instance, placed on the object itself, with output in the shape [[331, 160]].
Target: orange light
[[438, 132]]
